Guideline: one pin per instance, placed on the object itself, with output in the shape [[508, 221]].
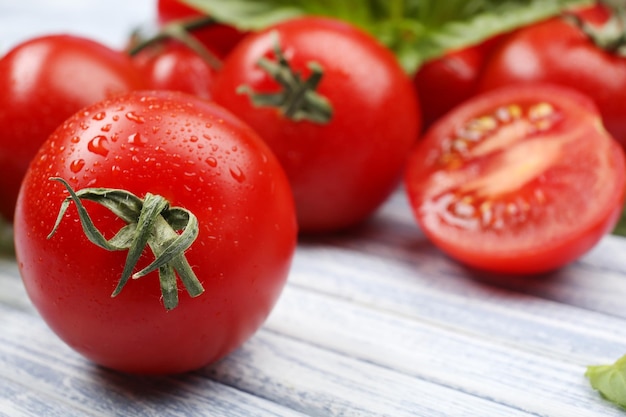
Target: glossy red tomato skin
[[196, 155], [44, 81], [556, 51], [343, 170], [219, 38], [446, 82], [573, 201], [171, 66]]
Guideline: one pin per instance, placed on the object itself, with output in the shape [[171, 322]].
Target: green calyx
[[611, 36], [298, 99], [150, 222], [179, 30]]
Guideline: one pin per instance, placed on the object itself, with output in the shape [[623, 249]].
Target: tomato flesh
[[519, 180]]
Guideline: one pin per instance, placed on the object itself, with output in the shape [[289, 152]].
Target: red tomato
[[556, 51], [198, 157], [170, 66], [446, 82], [219, 38], [44, 81], [343, 167], [518, 180]]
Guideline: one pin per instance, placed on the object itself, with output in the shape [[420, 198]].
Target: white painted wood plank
[[33, 358], [321, 382], [461, 304], [465, 362], [17, 400]]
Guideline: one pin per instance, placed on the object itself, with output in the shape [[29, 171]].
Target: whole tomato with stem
[[335, 107], [44, 81], [519, 180], [585, 51], [154, 263]]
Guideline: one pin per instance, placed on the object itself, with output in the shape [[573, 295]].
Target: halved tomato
[[522, 179]]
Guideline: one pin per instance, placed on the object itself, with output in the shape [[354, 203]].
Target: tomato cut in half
[[523, 179]]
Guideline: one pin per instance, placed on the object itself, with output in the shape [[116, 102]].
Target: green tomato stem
[[180, 30], [298, 99], [611, 36], [150, 222]]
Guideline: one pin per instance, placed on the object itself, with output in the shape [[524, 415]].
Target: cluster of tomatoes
[[525, 174], [200, 154]]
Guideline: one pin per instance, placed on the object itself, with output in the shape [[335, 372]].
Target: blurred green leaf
[[415, 30], [6, 238], [620, 229], [609, 380]]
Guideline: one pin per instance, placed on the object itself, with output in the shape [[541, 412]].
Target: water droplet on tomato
[[75, 139], [99, 145], [137, 139], [237, 174], [134, 117], [212, 162], [99, 116], [106, 127], [76, 165]]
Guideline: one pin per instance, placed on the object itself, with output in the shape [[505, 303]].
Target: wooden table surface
[[375, 322]]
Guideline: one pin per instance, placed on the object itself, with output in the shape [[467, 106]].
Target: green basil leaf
[[620, 228], [610, 380], [499, 17], [415, 30]]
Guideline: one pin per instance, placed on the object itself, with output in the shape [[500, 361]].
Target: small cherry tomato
[[446, 82], [173, 66]]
